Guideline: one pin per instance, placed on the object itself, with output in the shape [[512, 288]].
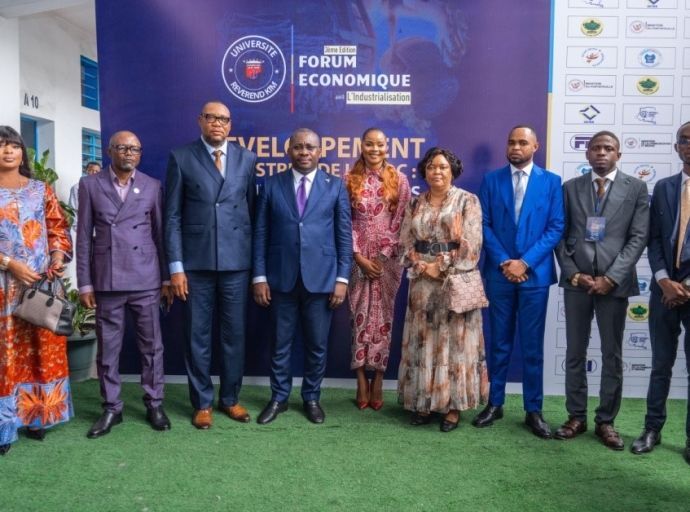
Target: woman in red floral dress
[[34, 238], [378, 195]]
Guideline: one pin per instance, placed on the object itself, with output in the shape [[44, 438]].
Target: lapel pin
[[136, 190], [328, 180]]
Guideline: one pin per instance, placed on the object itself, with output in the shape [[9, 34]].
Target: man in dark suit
[[121, 266], [669, 305], [302, 259], [606, 229], [522, 210], [210, 193]]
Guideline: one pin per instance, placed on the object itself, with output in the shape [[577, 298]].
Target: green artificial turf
[[357, 460]]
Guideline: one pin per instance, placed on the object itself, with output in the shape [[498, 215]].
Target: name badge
[[596, 229]]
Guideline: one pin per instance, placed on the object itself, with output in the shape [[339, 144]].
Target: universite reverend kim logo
[[253, 69], [650, 58]]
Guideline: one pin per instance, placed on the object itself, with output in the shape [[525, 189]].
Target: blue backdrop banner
[[455, 73]]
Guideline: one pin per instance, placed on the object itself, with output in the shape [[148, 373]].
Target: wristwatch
[[383, 257], [5, 263], [575, 279]]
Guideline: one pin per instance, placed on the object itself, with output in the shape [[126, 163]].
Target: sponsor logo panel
[[648, 85], [685, 89], [587, 4], [652, 4], [593, 27], [593, 366], [686, 58], [574, 142], [575, 169], [592, 57], [590, 85], [648, 115], [590, 113], [650, 58], [638, 311], [684, 112], [646, 27], [658, 143], [647, 171]]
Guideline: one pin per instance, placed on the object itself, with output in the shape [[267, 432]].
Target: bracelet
[[5, 263], [610, 281], [575, 279]]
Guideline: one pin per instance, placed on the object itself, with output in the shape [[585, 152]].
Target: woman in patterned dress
[[378, 195], [34, 238], [443, 365]]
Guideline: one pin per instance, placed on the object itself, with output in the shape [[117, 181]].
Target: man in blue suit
[[302, 259], [522, 210], [210, 195], [669, 303]]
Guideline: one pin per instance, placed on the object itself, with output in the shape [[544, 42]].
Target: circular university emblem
[[645, 172], [650, 58], [253, 69], [630, 143], [575, 85], [592, 27], [648, 85]]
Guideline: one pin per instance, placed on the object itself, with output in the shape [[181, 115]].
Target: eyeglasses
[[121, 149], [211, 118], [301, 147], [443, 167], [683, 141]]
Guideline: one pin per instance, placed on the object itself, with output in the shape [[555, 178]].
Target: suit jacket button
[[217, 205], [136, 247], [301, 223]]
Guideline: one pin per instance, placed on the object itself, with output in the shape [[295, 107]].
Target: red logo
[[253, 68]]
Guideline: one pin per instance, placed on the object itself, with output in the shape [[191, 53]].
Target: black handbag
[[46, 308]]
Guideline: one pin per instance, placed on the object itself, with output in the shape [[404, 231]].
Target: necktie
[[302, 195], [601, 183], [519, 193], [219, 164], [684, 216]]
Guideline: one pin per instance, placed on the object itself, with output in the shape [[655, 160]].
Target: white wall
[[9, 84], [50, 69]]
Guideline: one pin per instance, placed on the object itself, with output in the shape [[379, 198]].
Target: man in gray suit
[[210, 193], [121, 266], [606, 230]]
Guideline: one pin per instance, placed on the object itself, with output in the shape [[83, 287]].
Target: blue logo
[[650, 58], [647, 115], [589, 113], [582, 169], [591, 366], [253, 69], [643, 283]]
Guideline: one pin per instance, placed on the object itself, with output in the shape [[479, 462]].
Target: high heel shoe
[[363, 404], [4, 448], [37, 435], [376, 404]]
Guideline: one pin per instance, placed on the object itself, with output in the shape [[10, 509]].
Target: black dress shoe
[[102, 427], [314, 411], [38, 434], [539, 427], [488, 416], [646, 442], [4, 448], [157, 418], [447, 426], [686, 453], [419, 419], [271, 412]]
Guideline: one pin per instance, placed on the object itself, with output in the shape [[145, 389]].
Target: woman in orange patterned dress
[[443, 364], [378, 195], [34, 238]]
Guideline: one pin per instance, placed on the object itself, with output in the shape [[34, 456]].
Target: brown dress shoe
[[236, 412], [571, 429], [609, 435], [202, 419]]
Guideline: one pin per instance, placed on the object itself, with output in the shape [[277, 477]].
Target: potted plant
[[81, 346]]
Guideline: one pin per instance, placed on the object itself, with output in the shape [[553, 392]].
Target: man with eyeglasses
[[669, 305], [522, 221], [121, 266], [302, 259], [210, 194]]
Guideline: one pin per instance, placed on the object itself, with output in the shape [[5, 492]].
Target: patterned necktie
[[219, 164], [519, 193], [601, 183], [302, 195], [684, 216]]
